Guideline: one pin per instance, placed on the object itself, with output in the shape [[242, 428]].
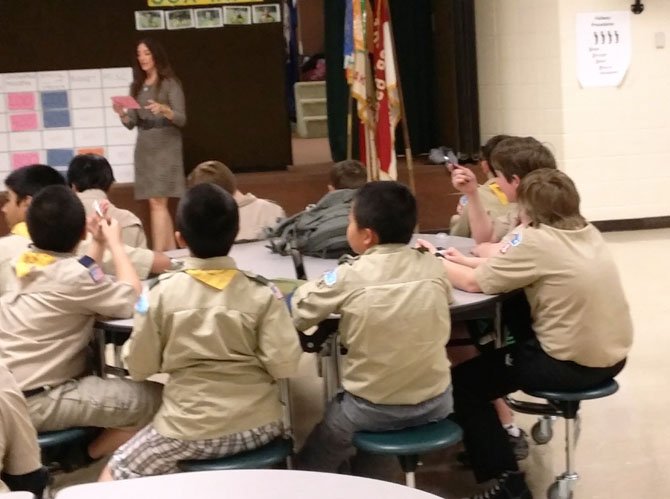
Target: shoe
[[519, 447], [509, 485]]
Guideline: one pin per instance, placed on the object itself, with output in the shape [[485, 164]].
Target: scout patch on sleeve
[[515, 240], [93, 268], [142, 304], [328, 279]]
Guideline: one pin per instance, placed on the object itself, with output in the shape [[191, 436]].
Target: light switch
[[659, 40]]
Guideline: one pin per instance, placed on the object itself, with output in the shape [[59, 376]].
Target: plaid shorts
[[150, 453]]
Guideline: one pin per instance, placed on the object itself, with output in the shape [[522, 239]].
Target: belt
[[35, 391]]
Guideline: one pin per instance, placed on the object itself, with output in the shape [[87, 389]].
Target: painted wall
[[614, 142]]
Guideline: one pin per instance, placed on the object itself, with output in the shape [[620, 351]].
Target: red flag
[[386, 88]]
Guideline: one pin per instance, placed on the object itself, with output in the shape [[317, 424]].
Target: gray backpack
[[320, 231]]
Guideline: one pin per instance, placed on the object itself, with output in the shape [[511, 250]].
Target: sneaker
[[519, 446], [510, 485]]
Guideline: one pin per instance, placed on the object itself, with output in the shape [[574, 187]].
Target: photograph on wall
[[236, 15], [179, 19], [266, 13], [149, 19], [209, 18]]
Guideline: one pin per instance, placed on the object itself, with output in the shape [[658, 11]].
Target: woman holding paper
[[158, 113]]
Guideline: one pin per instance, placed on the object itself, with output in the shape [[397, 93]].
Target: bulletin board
[[233, 78]]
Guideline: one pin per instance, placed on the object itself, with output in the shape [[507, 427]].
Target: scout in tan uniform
[[223, 336], [46, 324], [91, 177], [255, 213], [22, 185], [20, 462], [512, 159], [492, 197], [580, 329], [395, 323]]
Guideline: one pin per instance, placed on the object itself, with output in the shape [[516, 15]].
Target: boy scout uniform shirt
[[255, 215], [132, 232], [504, 224], [223, 349], [495, 203], [141, 259], [19, 452], [577, 303], [46, 324], [10, 247], [395, 322]]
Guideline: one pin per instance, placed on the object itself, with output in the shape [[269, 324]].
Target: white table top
[[17, 495], [247, 484]]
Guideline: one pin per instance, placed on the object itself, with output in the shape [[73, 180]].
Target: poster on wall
[[603, 48]]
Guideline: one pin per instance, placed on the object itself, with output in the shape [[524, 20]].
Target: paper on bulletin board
[[603, 48], [194, 3]]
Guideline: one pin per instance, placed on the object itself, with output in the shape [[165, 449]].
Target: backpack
[[320, 231]]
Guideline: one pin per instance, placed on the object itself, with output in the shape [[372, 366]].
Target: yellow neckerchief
[[21, 229], [31, 260], [495, 189], [217, 279]]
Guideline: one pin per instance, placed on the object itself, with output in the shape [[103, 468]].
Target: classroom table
[[247, 484], [17, 495]]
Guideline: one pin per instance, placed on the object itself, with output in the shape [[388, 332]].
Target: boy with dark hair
[[46, 324], [223, 335], [91, 177], [255, 214], [347, 174], [395, 323], [512, 159], [575, 335]]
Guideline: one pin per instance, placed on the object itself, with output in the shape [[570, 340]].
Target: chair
[[565, 405], [263, 457], [56, 447], [407, 444]]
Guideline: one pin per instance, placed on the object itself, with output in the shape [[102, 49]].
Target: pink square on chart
[[23, 122], [17, 101], [21, 159]]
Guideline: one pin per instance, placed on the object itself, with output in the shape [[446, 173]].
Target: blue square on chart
[[56, 119], [59, 157], [54, 100]]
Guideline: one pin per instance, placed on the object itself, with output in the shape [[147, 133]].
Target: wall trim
[[633, 224]]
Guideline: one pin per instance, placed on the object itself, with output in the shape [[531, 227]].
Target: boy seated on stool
[[395, 323], [91, 177], [20, 463], [46, 324], [223, 335], [575, 336]]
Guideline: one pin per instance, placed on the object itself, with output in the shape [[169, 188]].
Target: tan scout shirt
[[46, 324], [11, 246], [141, 259], [577, 303], [506, 223], [256, 214], [19, 452], [395, 322], [223, 350], [132, 232], [495, 203]]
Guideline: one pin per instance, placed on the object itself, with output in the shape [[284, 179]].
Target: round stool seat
[[410, 441], [264, 457], [50, 439], [603, 390]]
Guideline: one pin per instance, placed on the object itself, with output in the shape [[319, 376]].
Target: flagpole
[[403, 113], [350, 125]]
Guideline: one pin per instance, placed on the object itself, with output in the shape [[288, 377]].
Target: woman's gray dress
[[159, 160]]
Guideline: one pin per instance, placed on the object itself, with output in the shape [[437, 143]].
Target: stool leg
[[410, 480], [408, 465], [568, 480]]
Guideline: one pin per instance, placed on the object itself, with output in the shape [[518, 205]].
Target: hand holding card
[[126, 101]]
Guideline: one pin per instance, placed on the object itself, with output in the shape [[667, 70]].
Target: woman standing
[[159, 163]]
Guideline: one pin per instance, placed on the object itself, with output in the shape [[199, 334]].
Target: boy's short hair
[[388, 208], [348, 174], [549, 197], [90, 171], [520, 156], [56, 219], [213, 172], [208, 219], [31, 179], [487, 149]]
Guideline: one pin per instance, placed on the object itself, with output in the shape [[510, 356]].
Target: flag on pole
[[386, 89], [355, 54]]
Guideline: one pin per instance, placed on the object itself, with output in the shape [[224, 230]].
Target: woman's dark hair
[[163, 68]]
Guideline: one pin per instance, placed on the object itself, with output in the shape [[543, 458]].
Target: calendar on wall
[[50, 116]]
